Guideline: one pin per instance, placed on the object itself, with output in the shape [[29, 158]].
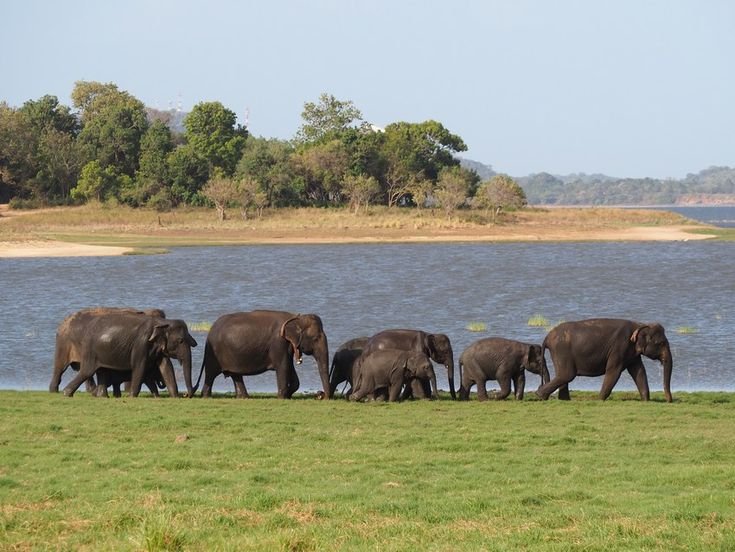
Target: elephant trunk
[[450, 376], [667, 362], [545, 378], [186, 367], [321, 355]]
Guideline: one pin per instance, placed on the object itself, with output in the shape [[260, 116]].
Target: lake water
[[361, 289], [722, 215]]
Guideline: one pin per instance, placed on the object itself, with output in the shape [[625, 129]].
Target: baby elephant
[[504, 360], [390, 369]]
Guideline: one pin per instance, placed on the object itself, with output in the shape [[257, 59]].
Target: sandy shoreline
[[38, 248]]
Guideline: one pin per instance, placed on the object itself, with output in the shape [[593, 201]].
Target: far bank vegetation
[[109, 148]]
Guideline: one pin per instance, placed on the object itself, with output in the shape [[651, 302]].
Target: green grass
[[476, 327], [264, 474], [686, 330], [538, 321], [199, 326]]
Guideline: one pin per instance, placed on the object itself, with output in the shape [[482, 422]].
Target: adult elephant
[[605, 347], [391, 369], [343, 363], [69, 335], [436, 346], [131, 341], [249, 343], [504, 360]]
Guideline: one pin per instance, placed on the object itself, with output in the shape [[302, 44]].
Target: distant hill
[[712, 186], [484, 171]]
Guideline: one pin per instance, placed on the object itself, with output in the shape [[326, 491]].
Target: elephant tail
[[545, 378], [207, 350]]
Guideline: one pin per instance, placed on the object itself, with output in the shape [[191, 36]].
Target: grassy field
[[264, 474], [122, 226]]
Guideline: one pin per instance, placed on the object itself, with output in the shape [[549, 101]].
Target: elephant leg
[[564, 393], [519, 384], [282, 381], [482, 390], [557, 382], [504, 389], [166, 368], [417, 389], [293, 382], [115, 390], [612, 375], [638, 372], [241, 391], [90, 385], [87, 369], [394, 391], [136, 380]]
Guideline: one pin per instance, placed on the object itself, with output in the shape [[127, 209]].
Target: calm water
[[723, 216], [360, 290]]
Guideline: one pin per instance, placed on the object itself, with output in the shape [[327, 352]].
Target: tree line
[[109, 147], [710, 185]]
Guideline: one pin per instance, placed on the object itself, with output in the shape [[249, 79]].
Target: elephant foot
[[541, 396], [68, 393]]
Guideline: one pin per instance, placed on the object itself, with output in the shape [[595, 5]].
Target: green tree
[[268, 162], [416, 151], [360, 190], [46, 114], [212, 133], [251, 196], [188, 172], [221, 191], [152, 181], [114, 123], [327, 119], [17, 151], [323, 168], [498, 193], [92, 183], [59, 164], [452, 189]]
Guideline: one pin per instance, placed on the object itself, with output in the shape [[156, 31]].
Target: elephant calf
[[391, 369], [504, 360], [343, 363]]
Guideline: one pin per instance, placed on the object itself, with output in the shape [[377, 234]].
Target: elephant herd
[[135, 347]]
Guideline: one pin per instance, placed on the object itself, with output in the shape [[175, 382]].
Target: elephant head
[[172, 339], [533, 362], [650, 340], [440, 350], [419, 366], [305, 334]]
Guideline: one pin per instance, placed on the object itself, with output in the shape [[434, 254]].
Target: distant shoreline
[[102, 231]]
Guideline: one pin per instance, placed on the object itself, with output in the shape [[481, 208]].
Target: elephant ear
[[291, 331], [639, 336], [158, 337]]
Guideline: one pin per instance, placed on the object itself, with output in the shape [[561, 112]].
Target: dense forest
[[109, 147]]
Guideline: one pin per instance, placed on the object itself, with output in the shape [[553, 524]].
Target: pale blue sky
[[623, 87]]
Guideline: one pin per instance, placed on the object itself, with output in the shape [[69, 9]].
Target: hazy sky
[[623, 87]]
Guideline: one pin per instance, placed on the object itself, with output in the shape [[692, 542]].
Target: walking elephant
[[343, 362], [436, 346], [504, 360], [249, 343], [605, 347], [391, 369], [69, 335], [133, 342]]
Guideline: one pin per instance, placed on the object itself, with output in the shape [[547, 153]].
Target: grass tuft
[[686, 330], [538, 321], [476, 327], [199, 326]]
